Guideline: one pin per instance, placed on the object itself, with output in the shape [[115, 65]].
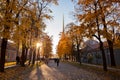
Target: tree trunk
[[72, 57], [26, 51], [17, 49], [34, 56], [30, 56], [110, 43], [103, 53], [78, 55], [103, 57], [2, 54], [65, 56], [23, 56]]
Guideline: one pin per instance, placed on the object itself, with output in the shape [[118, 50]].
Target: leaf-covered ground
[[109, 75], [17, 72], [64, 71]]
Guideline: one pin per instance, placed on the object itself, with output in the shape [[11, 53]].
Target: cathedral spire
[[63, 23]]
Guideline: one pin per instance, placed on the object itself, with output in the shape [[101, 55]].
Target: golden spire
[[63, 23]]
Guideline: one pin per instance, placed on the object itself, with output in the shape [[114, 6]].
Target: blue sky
[[54, 27]]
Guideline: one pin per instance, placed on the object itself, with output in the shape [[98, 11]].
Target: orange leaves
[[113, 23], [73, 36], [64, 46], [86, 2], [46, 45], [47, 16], [98, 14]]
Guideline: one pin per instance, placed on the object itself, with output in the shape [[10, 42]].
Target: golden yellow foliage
[[64, 46]]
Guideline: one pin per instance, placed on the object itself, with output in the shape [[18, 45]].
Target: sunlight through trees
[[22, 21]]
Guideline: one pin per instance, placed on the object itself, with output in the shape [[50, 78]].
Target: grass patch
[[10, 64]]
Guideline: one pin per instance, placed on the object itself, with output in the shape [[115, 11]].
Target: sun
[[38, 45]]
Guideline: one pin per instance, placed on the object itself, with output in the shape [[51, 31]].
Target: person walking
[[57, 62], [17, 60]]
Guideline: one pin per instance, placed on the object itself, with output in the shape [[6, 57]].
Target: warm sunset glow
[[38, 45], [59, 39]]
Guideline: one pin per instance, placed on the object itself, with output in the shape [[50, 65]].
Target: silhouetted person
[[46, 60], [57, 62], [17, 60]]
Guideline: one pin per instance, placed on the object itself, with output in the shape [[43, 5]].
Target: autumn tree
[[64, 46], [110, 20], [43, 11], [26, 18], [76, 34], [14, 15], [10, 10], [46, 45], [101, 18], [87, 13]]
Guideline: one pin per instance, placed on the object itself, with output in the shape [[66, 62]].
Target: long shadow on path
[[62, 72], [46, 72]]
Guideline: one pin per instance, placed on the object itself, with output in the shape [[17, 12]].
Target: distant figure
[[57, 62], [46, 60], [17, 60]]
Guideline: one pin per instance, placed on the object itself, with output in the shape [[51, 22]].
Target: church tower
[[63, 23], [63, 28]]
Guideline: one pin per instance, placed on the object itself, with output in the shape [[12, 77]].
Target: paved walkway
[[62, 72]]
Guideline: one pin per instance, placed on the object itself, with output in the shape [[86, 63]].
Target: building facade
[[92, 53], [10, 51]]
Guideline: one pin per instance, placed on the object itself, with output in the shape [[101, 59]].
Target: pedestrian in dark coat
[[17, 60], [57, 62]]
